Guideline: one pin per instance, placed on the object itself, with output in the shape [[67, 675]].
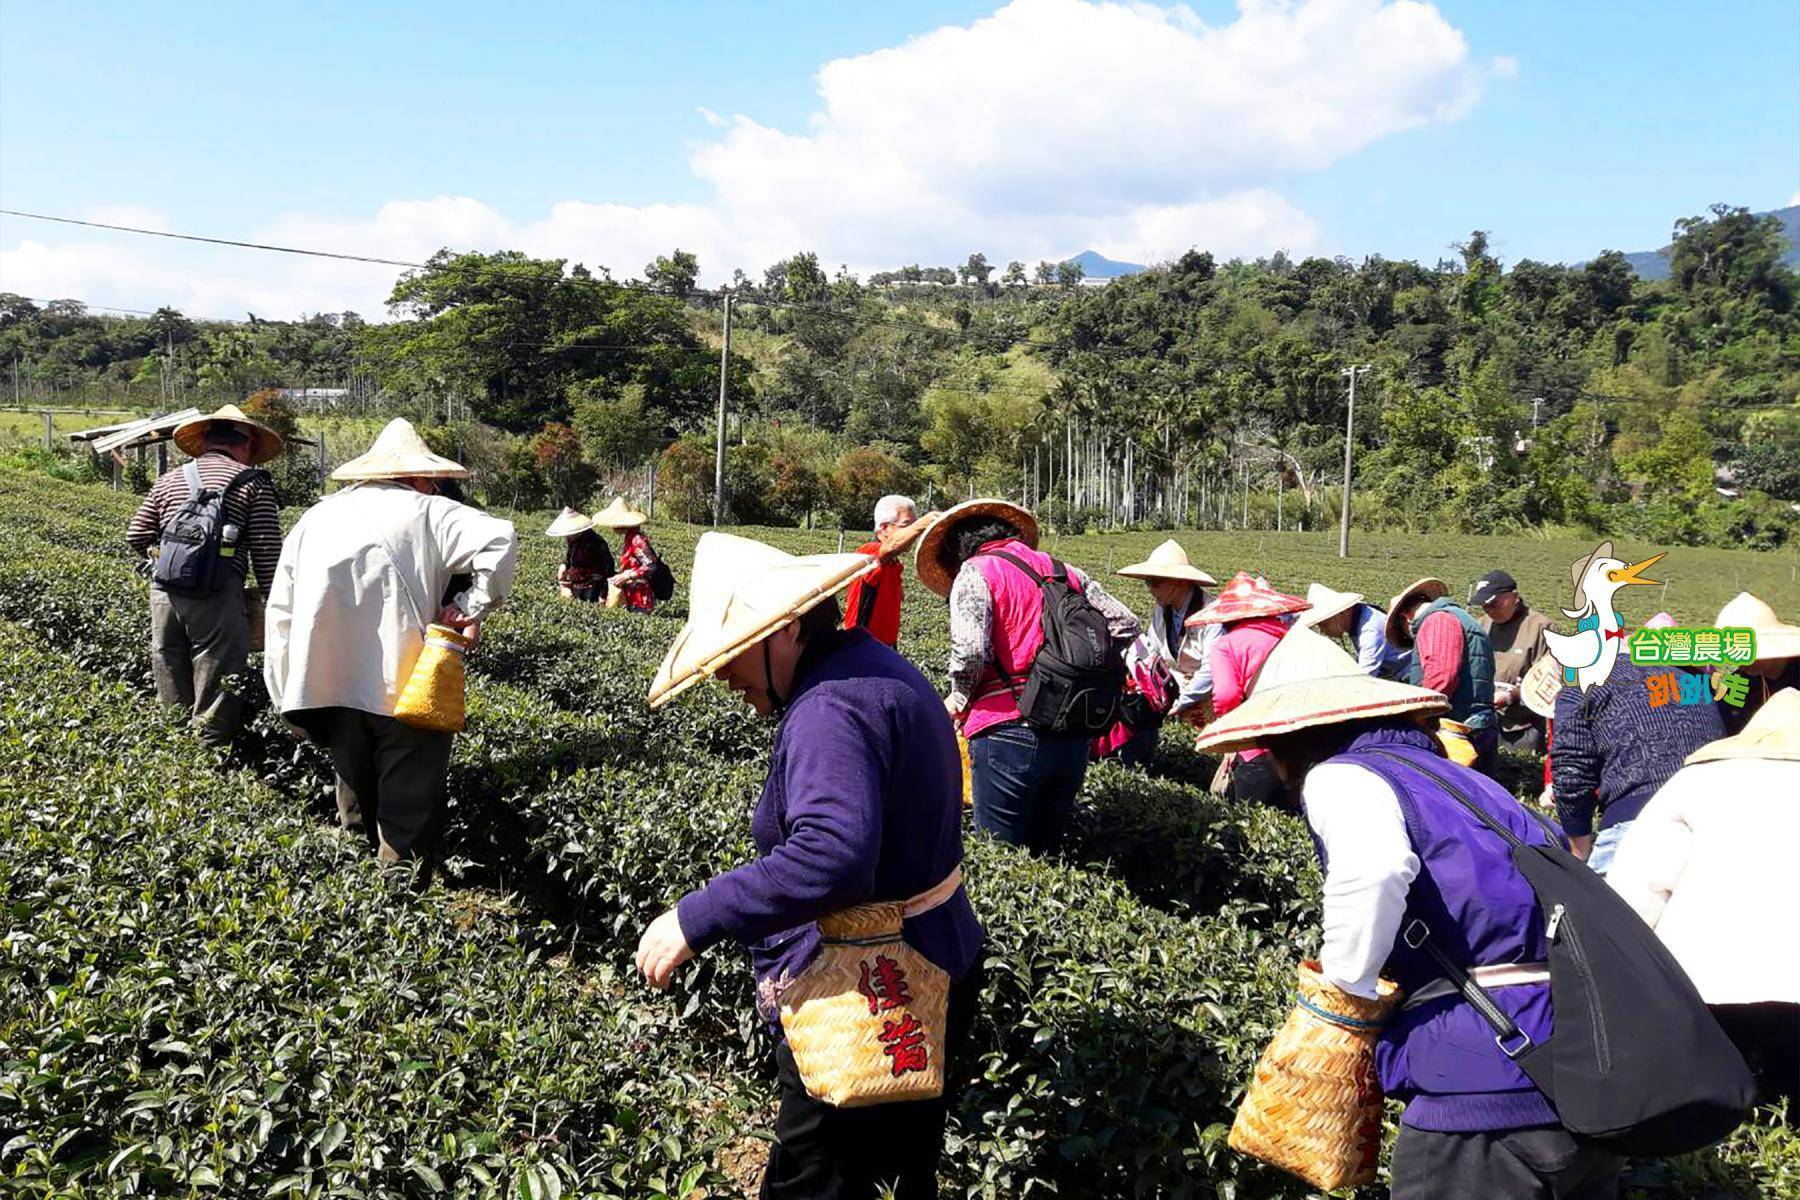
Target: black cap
[[1491, 585]]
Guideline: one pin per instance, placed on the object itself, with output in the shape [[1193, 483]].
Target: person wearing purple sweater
[[1402, 858], [863, 803]]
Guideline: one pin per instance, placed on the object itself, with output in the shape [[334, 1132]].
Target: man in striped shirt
[[199, 640]]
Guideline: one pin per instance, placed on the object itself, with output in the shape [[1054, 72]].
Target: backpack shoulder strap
[[1019, 563], [1457, 794], [191, 474], [244, 478]]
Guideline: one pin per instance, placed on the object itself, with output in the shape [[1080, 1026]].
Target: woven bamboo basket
[[968, 779], [1314, 1105], [865, 1021], [1454, 737], [433, 696]]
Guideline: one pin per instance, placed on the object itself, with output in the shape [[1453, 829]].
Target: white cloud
[[1792, 200], [1048, 127]]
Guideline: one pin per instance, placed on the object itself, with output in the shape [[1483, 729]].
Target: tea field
[[207, 990]]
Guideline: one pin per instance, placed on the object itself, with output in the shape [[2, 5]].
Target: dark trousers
[[1768, 1036], [827, 1153], [392, 779], [1025, 784], [1547, 1163], [1256, 782], [1487, 749], [199, 645]]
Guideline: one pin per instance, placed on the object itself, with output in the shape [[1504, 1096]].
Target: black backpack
[[662, 580], [193, 541], [1634, 1061], [1074, 685]]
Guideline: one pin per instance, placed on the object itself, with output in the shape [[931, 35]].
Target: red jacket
[[873, 602]]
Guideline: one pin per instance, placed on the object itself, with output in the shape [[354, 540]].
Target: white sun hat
[[399, 453], [1775, 638], [1327, 603], [1309, 681], [741, 592], [1772, 733], [1167, 561], [568, 523]]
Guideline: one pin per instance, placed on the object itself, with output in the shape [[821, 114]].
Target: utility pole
[[719, 451], [1536, 402], [1349, 434]]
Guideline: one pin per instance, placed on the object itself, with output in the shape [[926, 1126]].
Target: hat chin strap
[[777, 701]]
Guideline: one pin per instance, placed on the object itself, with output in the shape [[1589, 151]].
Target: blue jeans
[[1606, 844], [1025, 784]]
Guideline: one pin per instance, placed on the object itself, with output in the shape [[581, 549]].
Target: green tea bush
[[202, 989], [1129, 987]]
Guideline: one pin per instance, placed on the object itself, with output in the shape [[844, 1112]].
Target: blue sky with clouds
[[876, 134]]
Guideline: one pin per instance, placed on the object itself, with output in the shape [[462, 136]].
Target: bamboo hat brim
[[1773, 733], [932, 560], [1775, 638], [619, 515], [399, 453], [1327, 603], [902, 540], [1309, 681], [1167, 561], [741, 592], [1399, 631], [568, 523], [190, 435]]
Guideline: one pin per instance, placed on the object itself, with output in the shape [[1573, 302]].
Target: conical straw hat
[[1774, 732], [399, 453], [1327, 603], [1775, 638], [568, 523], [1244, 597], [1399, 630], [618, 515], [190, 435], [1539, 689], [932, 559], [741, 592], [1167, 561], [1309, 681]]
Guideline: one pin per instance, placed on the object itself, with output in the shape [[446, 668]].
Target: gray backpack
[[194, 540]]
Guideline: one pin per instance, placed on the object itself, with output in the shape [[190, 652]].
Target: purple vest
[[1441, 1057]]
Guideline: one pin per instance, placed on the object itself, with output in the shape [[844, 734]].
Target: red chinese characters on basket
[[903, 1041], [885, 986]]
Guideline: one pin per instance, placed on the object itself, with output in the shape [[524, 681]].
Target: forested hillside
[[1500, 396]]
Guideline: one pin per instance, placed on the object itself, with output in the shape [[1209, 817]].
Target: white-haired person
[[862, 807], [873, 601]]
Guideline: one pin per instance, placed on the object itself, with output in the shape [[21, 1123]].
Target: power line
[[504, 274]]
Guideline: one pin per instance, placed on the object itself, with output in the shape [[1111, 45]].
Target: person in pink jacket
[[1253, 617]]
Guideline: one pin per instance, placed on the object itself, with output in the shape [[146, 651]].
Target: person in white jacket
[[361, 576], [1712, 863]]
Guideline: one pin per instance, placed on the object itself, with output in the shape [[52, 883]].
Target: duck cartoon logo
[[1588, 654]]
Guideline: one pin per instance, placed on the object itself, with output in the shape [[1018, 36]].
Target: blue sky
[[1331, 126]]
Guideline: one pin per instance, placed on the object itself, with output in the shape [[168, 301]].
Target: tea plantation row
[[1129, 987]]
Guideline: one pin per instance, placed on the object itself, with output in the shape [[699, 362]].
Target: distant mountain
[[1654, 264], [1098, 266]]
